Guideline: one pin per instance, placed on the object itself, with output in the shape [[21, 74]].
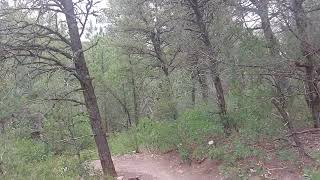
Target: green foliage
[[165, 109], [286, 155], [251, 112], [31, 151], [197, 124], [157, 135], [123, 143], [316, 155], [242, 151], [189, 134], [233, 152], [195, 128], [149, 53], [311, 174], [62, 167], [251, 48], [218, 152], [27, 159], [61, 126]]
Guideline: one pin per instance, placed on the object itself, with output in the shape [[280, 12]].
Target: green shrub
[[123, 143], [58, 134], [195, 128], [242, 151], [31, 151], [232, 152], [28, 159], [53, 168], [251, 113], [218, 153], [311, 174], [189, 134], [196, 125], [286, 155], [157, 135]]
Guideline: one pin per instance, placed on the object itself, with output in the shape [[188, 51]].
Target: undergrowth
[[26, 159], [197, 134]]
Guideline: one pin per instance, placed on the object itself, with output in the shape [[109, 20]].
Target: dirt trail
[[168, 167]]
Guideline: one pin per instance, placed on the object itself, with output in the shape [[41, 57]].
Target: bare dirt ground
[[164, 167], [148, 166]]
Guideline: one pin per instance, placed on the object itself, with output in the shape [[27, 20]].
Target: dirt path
[[168, 167]]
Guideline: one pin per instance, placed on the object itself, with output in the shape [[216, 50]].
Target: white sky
[[101, 4]]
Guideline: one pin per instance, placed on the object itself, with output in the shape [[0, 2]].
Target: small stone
[[134, 178], [120, 178], [180, 171], [253, 170], [255, 178]]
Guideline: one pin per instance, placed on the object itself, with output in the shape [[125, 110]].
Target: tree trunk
[[308, 53], [286, 119], [125, 107], [194, 76], [273, 46], [203, 85], [169, 94], [220, 95], [135, 101], [2, 127], [105, 123], [193, 93], [134, 93], [83, 75], [213, 64], [166, 84]]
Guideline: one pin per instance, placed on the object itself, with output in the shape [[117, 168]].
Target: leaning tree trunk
[[203, 85], [213, 63], [193, 88], [88, 90], [286, 119], [220, 95], [281, 82], [166, 85]]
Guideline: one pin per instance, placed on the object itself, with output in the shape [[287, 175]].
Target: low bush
[[158, 136], [196, 127], [123, 143], [26, 158]]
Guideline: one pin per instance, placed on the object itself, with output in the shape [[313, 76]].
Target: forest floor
[[162, 167], [169, 166]]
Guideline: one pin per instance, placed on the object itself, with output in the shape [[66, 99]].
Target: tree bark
[[281, 82], [125, 106], [166, 85], [82, 73], [135, 100], [203, 85], [286, 119], [213, 64], [220, 95], [2, 127], [134, 93], [309, 54]]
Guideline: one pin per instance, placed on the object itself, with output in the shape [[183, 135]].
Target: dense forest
[[232, 85]]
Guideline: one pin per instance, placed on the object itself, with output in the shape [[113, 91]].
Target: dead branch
[[304, 132]]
